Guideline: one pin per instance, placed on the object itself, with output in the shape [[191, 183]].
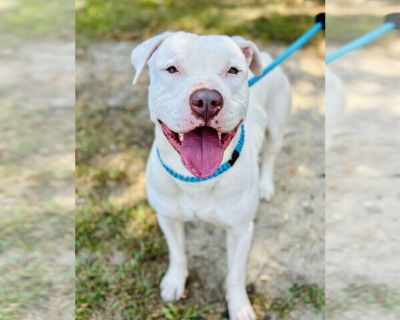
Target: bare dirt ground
[[288, 245], [362, 189]]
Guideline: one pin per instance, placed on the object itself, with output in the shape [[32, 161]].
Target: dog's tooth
[[181, 137], [219, 135]]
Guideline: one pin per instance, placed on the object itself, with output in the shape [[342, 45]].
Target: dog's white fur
[[230, 200], [335, 104]]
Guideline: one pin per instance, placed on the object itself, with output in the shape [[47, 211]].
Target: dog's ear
[[251, 53], [142, 53]]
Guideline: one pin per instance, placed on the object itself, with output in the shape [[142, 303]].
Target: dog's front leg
[[238, 245], [173, 283]]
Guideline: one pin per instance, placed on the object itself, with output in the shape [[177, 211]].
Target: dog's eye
[[233, 70], [172, 69]]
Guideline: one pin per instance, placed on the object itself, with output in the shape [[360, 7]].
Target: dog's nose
[[206, 103]]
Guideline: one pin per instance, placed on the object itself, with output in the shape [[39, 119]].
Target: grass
[[36, 19], [26, 280], [36, 185], [37, 224], [368, 295], [121, 253], [137, 20]]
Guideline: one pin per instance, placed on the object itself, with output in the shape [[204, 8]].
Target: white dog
[[201, 104]]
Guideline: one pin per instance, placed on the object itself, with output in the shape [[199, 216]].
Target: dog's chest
[[200, 205]]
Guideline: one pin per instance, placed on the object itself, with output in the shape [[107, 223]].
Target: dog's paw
[[241, 309], [267, 189], [173, 284], [246, 312], [243, 312]]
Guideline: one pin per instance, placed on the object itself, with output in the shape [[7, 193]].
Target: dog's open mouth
[[201, 149]]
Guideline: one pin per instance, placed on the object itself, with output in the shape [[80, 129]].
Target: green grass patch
[[137, 20], [31, 238], [21, 288], [37, 19], [299, 294], [369, 295], [128, 289], [102, 131]]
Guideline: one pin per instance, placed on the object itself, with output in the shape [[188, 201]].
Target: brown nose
[[206, 103]]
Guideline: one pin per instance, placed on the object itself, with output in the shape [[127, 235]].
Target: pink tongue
[[201, 151]]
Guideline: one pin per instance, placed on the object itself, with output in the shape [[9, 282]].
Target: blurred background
[[362, 166], [121, 254], [37, 135]]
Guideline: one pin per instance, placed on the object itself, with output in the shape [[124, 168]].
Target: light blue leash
[[392, 21], [221, 169], [307, 36], [367, 38]]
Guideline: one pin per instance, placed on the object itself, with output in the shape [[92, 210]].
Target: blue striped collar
[[221, 169]]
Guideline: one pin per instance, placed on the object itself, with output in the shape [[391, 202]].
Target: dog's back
[[269, 106]]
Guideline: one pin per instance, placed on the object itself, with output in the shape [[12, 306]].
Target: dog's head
[[198, 92]]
